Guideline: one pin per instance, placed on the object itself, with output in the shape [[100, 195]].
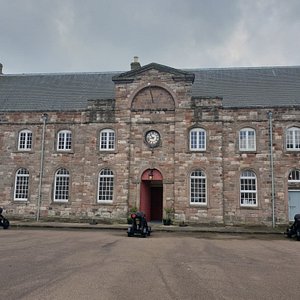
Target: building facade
[[211, 146]]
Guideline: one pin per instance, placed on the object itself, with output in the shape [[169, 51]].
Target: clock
[[152, 138]]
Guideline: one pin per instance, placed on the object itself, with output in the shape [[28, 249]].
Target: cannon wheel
[[5, 223]]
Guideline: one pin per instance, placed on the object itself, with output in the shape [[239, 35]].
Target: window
[[247, 140], [197, 139], [61, 185], [21, 185], [107, 140], [64, 140], [293, 139], [248, 188], [294, 176], [106, 186], [198, 187], [25, 140]]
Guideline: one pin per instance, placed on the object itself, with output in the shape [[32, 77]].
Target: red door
[[156, 203], [145, 199], [151, 197]]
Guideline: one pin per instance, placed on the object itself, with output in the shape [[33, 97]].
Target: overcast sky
[[103, 35]]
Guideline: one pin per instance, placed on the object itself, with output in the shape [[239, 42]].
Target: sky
[[54, 36]]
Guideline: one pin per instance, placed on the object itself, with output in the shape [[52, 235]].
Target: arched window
[[198, 187], [25, 140], [294, 176], [293, 139], [105, 186], [248, 188], [247, 139], [197, 139], [107, 140], [61, 185], [21, 185], [64, 140]]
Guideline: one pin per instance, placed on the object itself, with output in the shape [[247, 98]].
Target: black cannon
[[3, 221], [139, 225], [294, 230]]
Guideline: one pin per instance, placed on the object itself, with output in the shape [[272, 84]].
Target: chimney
[[1, 66], [135, 64]]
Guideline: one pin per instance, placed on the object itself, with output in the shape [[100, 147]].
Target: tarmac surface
[[81, 261]]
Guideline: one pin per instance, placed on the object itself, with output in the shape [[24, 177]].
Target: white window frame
[[21, 190], [64, 140], [107, 140], [294, 176], [248, 189], [25, 140], [293, 139], [198, 188], [247, 139], [61, 185], [197, 139], [105, 186]]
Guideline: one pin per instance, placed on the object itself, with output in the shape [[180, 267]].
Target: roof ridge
[[181, 69], [63, 73], [244, 68]]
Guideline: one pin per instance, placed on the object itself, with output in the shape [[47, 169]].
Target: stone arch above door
[[152, 174]]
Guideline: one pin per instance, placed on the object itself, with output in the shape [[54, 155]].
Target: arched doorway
[[151, 196], [293, 193]]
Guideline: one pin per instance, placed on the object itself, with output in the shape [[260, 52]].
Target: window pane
[[248, 188], [61, 192], [107, 139], [198, 187], [25, 140], [247, 139], [21, 185], [294, 176], [201, 140], [64, 140], [106, 185], [197, 139], [289, 139], [297, 139], [103, 140], [193, 140], [293, 139], [251, 140], [68, 141]]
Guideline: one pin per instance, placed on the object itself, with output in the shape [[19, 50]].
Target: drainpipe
[[44, 118], [272, 167]]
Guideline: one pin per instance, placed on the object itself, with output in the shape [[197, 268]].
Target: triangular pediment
[[177, 74]]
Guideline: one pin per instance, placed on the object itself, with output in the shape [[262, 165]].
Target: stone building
[[208, 145]]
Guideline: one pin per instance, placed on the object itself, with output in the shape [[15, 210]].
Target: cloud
[[103, 35]]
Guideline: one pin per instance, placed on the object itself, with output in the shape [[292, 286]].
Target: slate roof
[[243, 87], [239, 87], [46, 92]]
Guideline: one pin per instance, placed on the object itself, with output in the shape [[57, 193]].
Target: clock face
[[152, 138]]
